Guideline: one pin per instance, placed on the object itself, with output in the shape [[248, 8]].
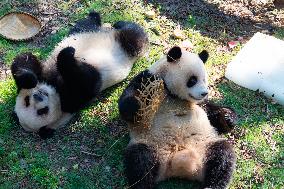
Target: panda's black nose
[[38, 97], [204, 94]]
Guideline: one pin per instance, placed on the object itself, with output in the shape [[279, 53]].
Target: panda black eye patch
[[27, 101], [43, 111], [192, 81]]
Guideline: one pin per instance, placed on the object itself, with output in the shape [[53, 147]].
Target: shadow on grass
[[252, 107], [258, 137], [212, 22]]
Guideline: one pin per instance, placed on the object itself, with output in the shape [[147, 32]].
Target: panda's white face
[[185, 77], [38, 107]]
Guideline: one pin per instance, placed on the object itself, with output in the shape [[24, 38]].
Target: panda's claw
[[45, 132], [230, 117]]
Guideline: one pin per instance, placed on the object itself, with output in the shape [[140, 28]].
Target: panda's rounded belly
[[180, 137], [183, 127], [113, 76], [113, 67]]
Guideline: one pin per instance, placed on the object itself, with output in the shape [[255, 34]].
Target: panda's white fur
[[180, 133], [180, 152], [104, 49], [28, 116], [98, 49], [176, 76]]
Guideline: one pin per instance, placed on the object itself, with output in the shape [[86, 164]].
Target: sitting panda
[[90, 60], [170, 134]]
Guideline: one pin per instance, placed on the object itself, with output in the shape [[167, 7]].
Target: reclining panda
[[170, 134], [90, 60]]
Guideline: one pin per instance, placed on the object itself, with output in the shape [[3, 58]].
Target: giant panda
[[173, 132], [89, 60]]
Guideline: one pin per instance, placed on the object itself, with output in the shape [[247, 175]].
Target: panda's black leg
[[219, 166], [141, 166], [132, 38], [81, 81], [223, 119], [66, 63], [26, 70], [88, 24], [74, 71], [95, 16], [122, 24], [128, 104]]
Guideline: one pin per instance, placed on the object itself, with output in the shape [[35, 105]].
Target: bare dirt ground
[[4, 71], [220, 18], [52, 14]]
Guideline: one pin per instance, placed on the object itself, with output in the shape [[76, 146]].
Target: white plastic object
[[260, 66]]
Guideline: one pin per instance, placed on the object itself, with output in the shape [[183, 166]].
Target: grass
[[88, 153]]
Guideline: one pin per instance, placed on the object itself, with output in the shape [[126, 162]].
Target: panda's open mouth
[[42, 111]]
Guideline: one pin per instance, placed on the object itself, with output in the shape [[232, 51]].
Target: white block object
[[260, 66]]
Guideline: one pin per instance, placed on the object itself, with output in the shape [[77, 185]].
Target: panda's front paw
[[230, 116], [26, 79], [128, 108], [66, 63], [45, 132]]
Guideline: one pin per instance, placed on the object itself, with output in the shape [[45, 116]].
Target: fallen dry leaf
[[150, 14], [187, 45], [178, 34]]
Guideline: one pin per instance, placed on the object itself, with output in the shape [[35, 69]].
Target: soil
[[4, 71], [51, 17], [229, 18]]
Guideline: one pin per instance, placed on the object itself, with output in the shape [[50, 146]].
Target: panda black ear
[[174, 54], [204, 56]]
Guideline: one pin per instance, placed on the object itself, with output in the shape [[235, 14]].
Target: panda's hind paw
[[95, 16], [45, 132]]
